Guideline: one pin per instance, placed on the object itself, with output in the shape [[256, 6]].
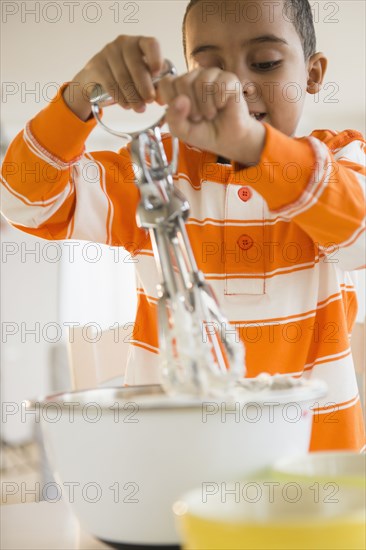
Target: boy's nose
[[250, 88]]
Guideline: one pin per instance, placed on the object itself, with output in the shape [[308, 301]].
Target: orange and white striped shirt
[[277, 243]]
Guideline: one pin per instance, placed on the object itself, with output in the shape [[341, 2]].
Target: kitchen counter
[[43, 526]]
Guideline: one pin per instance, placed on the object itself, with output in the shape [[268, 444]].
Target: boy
[[276, 222]]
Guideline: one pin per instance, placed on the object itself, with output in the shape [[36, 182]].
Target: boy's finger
[[230, 90], [177, 117], [206, 90], [185, 85], [122, 78], [110, 84], [151, 50], [141, 76], [166, 90]]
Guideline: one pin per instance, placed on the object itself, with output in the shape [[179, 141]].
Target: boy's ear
[[317, 66]]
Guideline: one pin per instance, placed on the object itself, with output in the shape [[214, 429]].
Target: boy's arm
[[318, 182], [38, 193], [53, 189]]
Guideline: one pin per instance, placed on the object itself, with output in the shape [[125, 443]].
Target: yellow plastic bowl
[[268, 515], [346, 468]]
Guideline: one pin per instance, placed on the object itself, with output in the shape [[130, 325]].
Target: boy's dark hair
[[297, 11]]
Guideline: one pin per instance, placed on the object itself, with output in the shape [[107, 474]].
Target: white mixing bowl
[[122, 456]]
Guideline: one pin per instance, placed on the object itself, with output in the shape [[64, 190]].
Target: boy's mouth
[[258, 116]]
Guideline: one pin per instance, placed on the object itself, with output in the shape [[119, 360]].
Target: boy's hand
[[207, 109], [124, 68]]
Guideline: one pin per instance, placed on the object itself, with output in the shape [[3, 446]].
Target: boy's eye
[[266, 66]]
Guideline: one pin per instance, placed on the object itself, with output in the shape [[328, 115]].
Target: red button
[[244, 193], [245, 242]]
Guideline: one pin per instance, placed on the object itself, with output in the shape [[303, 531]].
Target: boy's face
[[261, 46]]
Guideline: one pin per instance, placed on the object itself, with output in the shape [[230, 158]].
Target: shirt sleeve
[[54, 189], [317, 182]]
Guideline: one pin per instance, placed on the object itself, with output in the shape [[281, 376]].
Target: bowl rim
[[191, 505], [150, 397], [288, 465]]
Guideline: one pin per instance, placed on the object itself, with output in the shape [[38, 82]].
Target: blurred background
[[49, 287]]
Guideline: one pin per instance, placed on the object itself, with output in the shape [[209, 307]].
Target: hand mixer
[[200, 352]]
